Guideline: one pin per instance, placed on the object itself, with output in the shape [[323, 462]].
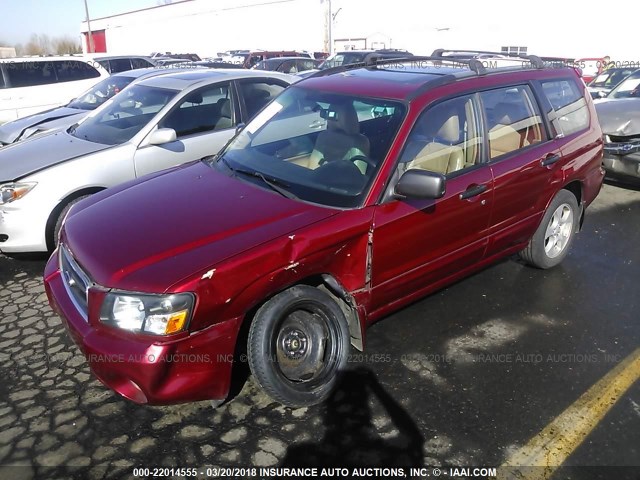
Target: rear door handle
[[550, 160], [472, 191]]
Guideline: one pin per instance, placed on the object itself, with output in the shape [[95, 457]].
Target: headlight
[[156, 314], [13, 191]]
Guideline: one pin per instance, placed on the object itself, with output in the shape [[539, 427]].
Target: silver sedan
[[154, 124]]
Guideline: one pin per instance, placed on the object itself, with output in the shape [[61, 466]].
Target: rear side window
[[28, 74], [140, 63], [1, 78], [513, 119], [570, 108], [119, 65], [72, 70]]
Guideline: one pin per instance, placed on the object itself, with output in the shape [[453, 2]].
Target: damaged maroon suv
[[354, 193]]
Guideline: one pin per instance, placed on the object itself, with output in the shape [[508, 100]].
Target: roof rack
[[475, 65], [535, 60]]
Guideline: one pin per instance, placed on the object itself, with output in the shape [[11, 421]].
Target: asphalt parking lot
[[466, 377]]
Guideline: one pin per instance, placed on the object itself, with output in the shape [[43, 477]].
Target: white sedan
[[152, 125]]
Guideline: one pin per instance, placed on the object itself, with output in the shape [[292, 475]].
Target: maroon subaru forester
[[357, 191]]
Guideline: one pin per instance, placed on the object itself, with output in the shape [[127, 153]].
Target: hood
[[11, 131], [163, 229], [24, 158], [619, 116]]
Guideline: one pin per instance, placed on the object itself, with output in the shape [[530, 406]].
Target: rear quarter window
[[570, 113]]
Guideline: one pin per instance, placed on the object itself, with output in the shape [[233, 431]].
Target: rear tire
[[298, 343], [553, 238], [60, 219]]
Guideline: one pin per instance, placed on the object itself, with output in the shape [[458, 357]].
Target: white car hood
[[11, 131], [29, 156]]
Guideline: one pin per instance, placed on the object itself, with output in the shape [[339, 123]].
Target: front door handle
[[550, 160], [472, 191]]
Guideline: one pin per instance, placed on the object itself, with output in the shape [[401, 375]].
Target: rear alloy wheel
[[298, 343], [551, 241]]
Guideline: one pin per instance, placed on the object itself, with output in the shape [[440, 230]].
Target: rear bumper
[[192, 368]]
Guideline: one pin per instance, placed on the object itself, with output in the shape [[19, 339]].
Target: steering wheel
[[364, 159]]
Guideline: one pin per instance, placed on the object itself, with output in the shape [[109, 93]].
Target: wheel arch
[[330, 285], [53, 216], [576, 188]]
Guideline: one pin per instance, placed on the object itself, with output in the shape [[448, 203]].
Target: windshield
[[100, 93], [319, 147], [123, 115], [629, 87], [610, 78]]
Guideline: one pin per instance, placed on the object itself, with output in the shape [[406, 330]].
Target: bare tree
[[66, 45], [38, 45]]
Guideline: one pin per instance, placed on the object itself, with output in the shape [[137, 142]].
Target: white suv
[[33, 84]]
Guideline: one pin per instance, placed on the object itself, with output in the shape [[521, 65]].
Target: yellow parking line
[[551, 447]]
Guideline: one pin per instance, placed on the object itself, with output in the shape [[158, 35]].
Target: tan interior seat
[[342, 139], [442, 157], [503, 138]]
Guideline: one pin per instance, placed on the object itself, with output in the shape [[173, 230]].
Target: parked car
[[156, 123], [590, 67], [122, 63], [619, 114], [291, 65], [254, 57], [33, 84], [352, 57], [358, 56], [77, 109], [345, 199], [212, 64], [600, 86]]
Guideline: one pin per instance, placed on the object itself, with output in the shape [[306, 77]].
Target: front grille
[[622, 145], [76, 281]]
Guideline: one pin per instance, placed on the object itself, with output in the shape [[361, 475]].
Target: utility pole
[[89, 34], [328, 21]]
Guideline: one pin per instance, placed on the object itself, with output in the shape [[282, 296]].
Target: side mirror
[[602, 94], [421, 184], [162, 136]]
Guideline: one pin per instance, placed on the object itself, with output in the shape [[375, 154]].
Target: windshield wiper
[[275, 184]]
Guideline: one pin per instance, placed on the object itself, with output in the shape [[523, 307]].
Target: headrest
[[194, 97], [450, 130], [343, 117], [505, 113]]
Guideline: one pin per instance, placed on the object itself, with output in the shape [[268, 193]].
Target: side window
[[204, 110], [257, 94], [570, 107], [119, 65], [2, 85], [71, 70], [140, 63], [513, 119], [445, 138], [28, 74]]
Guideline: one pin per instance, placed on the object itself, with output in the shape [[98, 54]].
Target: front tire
[[553, 238], [298, 343]]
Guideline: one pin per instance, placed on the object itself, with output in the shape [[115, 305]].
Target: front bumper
[[622, 165], [194, 367], [22, 229]]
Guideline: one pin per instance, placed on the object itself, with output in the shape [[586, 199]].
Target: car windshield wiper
[[275, 184]]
